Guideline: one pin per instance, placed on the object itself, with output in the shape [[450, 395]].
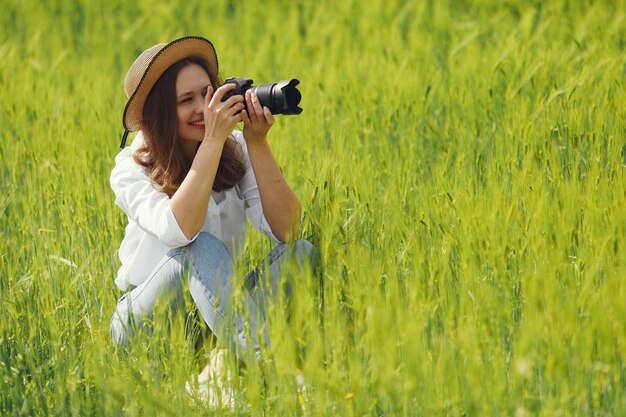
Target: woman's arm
[[190, 202], [281, 206]]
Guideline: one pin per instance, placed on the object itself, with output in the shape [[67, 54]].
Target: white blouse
[[152, 229]]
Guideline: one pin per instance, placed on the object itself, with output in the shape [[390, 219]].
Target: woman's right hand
[[220, 117]]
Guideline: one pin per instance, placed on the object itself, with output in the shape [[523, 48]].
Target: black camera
[[281, 98]]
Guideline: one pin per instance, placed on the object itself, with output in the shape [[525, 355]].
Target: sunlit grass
[[461, 168]]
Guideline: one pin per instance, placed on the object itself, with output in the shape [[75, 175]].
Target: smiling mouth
[[198, 123]]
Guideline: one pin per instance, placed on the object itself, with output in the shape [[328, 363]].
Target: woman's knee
[[304, 247], [209, 261], [207, 243], [305, 253]]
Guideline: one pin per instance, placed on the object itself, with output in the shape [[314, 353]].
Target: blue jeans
[[208, 266]]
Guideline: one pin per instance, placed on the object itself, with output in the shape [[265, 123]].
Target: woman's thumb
[[209, 94]]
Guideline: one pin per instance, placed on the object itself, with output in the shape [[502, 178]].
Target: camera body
[[281, 97]]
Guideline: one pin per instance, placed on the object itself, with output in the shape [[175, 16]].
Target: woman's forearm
[[281, 206], [191, 201]]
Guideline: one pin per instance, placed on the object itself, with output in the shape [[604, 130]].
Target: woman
[[187, 184]]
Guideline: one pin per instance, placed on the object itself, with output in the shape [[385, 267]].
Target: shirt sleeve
[[143, 203], [250, 190]]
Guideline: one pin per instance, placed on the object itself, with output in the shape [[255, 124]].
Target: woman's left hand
[[257, 120]]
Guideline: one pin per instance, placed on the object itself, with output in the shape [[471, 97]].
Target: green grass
[[462, 170]]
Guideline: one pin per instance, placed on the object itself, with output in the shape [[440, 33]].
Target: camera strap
[[124, 136]]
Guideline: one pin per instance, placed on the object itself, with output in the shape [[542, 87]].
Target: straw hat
[[150, 65]]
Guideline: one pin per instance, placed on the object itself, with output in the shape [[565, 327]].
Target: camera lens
[[281, 98]]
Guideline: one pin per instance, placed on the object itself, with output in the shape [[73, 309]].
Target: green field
[[462, 170]]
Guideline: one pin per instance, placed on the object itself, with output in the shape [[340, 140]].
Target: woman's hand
[[257, 120], [220, 117]]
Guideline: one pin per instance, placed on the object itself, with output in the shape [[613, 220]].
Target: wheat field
[[462, 171]]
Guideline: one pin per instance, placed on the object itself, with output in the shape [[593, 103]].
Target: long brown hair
[[161, 152]]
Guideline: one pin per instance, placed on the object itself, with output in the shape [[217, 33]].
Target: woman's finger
[[233, 111], [238, 108], [269, 117], [208, 95], [244, 116], [257, 105], [231, 101], [251, 113], [219, 93]]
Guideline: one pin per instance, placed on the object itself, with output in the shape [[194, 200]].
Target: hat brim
[[165, 58]]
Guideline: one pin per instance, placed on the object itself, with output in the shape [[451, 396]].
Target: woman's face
[[191, 87]]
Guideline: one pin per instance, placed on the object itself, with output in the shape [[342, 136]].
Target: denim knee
[[305, 252], [210, 262], [206, 243], [304, 248]]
